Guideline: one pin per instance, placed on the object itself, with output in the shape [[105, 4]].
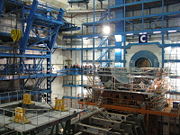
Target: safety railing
[[10, 69], [34, 116], [134, 79], [13, 96], [71, 82]]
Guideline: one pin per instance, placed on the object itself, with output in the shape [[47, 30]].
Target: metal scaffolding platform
[[38, 119]]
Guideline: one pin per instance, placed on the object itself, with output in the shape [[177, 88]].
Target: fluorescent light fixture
[[117, 50], [129, 34], [118, 38], [171, 31], [106, 30], [105, 36], [118, 64], [157, 32], [142, 33], [122, 43]]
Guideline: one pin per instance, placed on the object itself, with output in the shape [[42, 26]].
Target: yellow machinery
[[59, 105], [20, 116], [28, 2], [68, 62], [27, 99], [16, 34]]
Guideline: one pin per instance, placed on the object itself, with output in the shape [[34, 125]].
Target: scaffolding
[[129, 20], [137, 91]]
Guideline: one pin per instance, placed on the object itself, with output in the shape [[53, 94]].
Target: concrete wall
[[57, 85]]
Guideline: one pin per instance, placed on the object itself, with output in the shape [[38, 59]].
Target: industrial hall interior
[[89, 67]]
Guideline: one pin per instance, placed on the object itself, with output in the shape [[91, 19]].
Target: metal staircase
[[104, 53], [43, 23]]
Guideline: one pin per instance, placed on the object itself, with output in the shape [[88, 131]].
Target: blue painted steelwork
[[93, 31], [49, 82], [25, 38], [71, 85], [10, 69], [172, 61], [137, 44], [132, 18], [103, 61], [37, 75], [19, 94], [82, 57], [36, 18], [1, 7], [5, 34], [122, 5], [162, 36], [103, 48], [69, 27], [149, 31], [16, 2], [104, 52], [44, 20], [121, 22], [32, 49], [72, 36], [69, 97], [73, 71], [128, 46], [118, 55], [120, 27], [23, 55], [121, 19], [96, 48], [78, 1], [171, 45]]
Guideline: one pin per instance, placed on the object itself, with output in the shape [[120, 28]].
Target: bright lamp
[[106, 30]]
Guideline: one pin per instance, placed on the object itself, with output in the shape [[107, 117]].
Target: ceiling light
[[118, 38], [171, 31], [157, 32], [129, 34], [106, 30], [142, 33]]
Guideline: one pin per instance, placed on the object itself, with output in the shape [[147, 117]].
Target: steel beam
[[23, 55], [132, 3], [24, 40], [105, 122], [1, 7], [134, 110], [116, 20], [93, 129]]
